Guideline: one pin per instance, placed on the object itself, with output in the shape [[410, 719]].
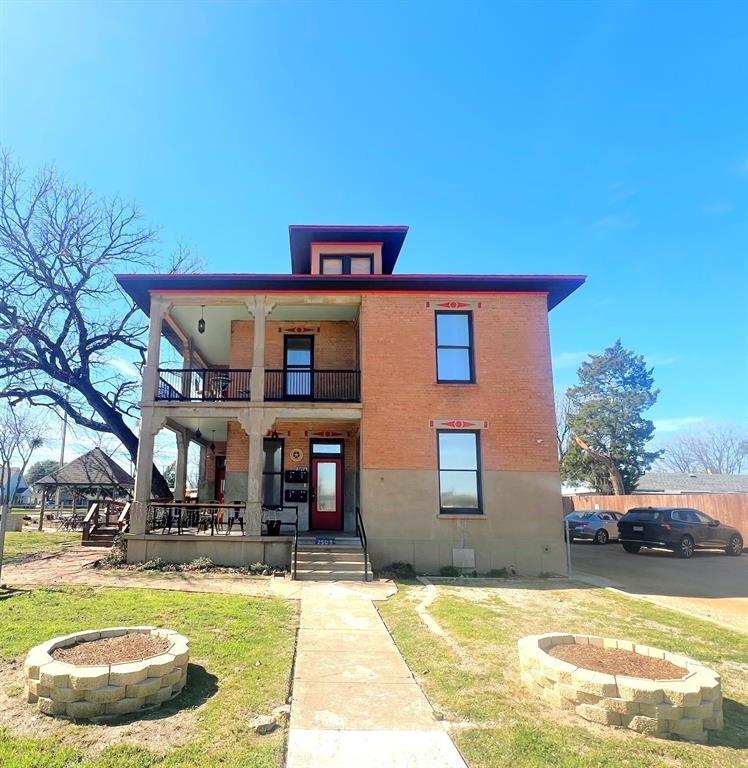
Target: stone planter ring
[[687, 706], [87, 692]]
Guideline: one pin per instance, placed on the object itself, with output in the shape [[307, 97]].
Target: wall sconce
[[198, 434], [212, 442], [201, 321]]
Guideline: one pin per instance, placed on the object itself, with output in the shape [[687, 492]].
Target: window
[[454, 347], [346, 264], [272, 473], [329, 449], [298, 364], [459, 473]]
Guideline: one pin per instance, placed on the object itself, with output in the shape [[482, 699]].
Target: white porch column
[[258, 309], [180, 483], [159, 308], [253, 425], [149, 426]]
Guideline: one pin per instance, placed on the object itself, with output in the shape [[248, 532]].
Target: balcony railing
[[306, 384], [203, 384]]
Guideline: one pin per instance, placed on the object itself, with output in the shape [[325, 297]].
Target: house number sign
[[297, 454]]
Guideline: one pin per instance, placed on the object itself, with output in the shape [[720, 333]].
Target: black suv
[[681, 530]]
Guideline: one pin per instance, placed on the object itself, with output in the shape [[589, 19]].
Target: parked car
[[597, 525], [676, 528]]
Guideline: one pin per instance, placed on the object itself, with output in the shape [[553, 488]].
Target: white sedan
[[597, 525]]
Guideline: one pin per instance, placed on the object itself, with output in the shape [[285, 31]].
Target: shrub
[[199, 564], [398, 570], [260, 569], [497, 573], [449, 570], [117, 555]]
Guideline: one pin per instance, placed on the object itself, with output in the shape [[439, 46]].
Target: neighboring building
[[696, 482], [425, 401], [19, 492]]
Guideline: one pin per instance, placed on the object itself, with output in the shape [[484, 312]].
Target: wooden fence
[[729, 508]]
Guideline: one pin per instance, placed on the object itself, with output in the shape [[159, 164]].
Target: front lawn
[[471, 676], [241, 656], [28, 542]]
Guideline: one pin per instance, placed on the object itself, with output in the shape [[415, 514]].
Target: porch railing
[[203, 384], [316, 385], [361, 533]]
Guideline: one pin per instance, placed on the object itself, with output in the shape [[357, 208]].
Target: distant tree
[[609, 433], [170, 474], [718, 450], [21, 433], [40, 469], [63, 318]]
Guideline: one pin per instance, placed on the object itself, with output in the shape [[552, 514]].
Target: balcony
[[330, 386], [211, 385], [203, 385]]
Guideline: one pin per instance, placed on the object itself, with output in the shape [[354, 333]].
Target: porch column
[[180, 483], [159, 308], [186, 368], [253, 426], [258, 309], [149, 426]]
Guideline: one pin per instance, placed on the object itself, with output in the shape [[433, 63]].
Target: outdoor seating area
[[214, 518]]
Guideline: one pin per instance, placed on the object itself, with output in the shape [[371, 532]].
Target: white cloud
[[678, 424], [569, 359], [660, 359], [123, 366]]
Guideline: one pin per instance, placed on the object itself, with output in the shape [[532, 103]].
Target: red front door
[[326, 509]]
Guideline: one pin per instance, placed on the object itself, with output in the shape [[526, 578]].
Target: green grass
[[475, 678], [27, 542], [228, 635]]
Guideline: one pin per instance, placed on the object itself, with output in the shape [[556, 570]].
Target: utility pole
[[62, 457]]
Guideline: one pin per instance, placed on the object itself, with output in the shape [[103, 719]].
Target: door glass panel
[[298, 351], [327, 486]]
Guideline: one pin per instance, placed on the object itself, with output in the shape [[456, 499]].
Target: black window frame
[[298, 368], [471, 511], [470, 346], [272, 474], [346, 262]]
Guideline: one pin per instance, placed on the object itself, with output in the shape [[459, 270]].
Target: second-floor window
[[454, 347], [346, 264]]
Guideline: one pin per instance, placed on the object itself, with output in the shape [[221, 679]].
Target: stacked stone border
[[85, 692], [687, 707]]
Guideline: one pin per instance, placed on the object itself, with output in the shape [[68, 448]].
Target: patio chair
[[237, 517]]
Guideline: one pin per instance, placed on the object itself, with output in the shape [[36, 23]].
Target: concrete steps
[[342, 561]]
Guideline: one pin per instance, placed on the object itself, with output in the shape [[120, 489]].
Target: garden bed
[[106, 672], [615, 661], [686, 706]]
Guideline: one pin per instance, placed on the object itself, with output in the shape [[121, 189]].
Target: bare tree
[[64, 322], [719, 450], [21, 433], [563, 430]]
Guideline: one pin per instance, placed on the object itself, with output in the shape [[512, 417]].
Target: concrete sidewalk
[[355, 702]]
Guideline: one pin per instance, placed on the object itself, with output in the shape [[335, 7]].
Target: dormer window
[[346, 264]]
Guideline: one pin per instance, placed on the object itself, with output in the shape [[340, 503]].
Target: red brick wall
[[334, 345], [514, 388]]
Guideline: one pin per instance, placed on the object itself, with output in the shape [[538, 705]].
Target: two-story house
[[345, 398]]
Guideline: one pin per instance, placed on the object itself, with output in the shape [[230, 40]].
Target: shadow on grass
[[201, 686], [735, 732], [7, 592], [552, 583]]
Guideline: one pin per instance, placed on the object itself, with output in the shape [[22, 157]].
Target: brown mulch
[[113, 650], [615, 662]]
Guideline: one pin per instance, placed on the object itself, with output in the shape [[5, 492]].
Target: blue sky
[[607, 138]]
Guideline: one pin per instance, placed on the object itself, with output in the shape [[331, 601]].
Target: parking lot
[[710, 584]]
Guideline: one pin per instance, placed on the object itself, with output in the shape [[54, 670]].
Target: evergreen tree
[[606, 421]]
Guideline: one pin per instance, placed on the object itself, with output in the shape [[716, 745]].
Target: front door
[[326, 509]]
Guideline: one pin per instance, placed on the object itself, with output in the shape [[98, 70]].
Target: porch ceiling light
[[201, 321], [212, 442]]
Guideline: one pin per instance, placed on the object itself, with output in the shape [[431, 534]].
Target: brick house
[[344, 398]]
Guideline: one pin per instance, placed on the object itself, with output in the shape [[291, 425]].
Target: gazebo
[[93, 472]]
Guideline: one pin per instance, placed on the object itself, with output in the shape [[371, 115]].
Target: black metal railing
[[361, 533], [203, 384], [342, 386]]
